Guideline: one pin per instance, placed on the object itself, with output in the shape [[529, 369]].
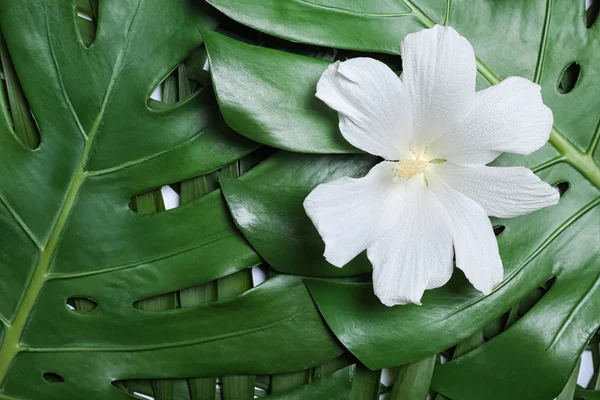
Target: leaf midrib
[[11, 347], [581, 161]]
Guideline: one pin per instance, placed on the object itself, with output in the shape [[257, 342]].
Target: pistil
[[406, 169]]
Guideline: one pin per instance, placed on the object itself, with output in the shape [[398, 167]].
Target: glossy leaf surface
[[68, 232], [537, 40], [250, 80], [267, 207]]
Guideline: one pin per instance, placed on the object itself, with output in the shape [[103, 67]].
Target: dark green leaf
[[332, 387], [365, 385], [68, 232], [267, 207], [357, 25], [537, 40], [588, 394], [414, 379], [269, 96], [284, 382]]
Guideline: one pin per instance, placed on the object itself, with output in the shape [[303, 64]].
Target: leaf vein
[[21, 223], [62, 84], [543, 42], [351, 12], [594, 142], [136, 263], [133, 163], [170, 345], [568, 321]]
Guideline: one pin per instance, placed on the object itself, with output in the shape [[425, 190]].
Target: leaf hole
[[81, 304], [591, 14], [189, 77], [53, 377], [562, 187], [87, 20], [205, 293], [163, 302], [498, 229], [181, 193], [569, 78], [23, 122]]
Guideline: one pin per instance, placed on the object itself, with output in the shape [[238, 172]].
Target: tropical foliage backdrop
[[106, 295]]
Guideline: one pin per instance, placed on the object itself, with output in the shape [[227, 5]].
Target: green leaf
[[284, 382], [414, 379], [149, 203], [251, 82], [68, 232], [588, 394], [336, 386], [357, 25], [22, 122], [537, 40], [568, 392], [287, 239], [365, 385]]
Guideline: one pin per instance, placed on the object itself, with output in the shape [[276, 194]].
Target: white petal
[[416, 254], [502, 192], [351, 214], [373, 106], [439, 72], [475, 245], [508, 117]]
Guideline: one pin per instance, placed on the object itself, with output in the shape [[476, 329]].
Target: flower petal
[[417, 253], [475, 245], [502, 192], [439, 73], [373, 106], [351, 214], [508, 117]]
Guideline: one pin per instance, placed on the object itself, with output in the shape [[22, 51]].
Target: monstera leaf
[[268, 95], [67, 233]]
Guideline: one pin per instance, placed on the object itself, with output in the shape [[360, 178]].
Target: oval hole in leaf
[[569, 77], [23, 123], [190, 76], [162, 302], [81, 304], [563, 187], [52, 377], [591, 14], [87, 16], [499, 229]]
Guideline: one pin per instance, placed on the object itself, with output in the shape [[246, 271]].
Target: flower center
[[406, 169]]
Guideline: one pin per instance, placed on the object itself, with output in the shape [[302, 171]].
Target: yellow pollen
[[406, 169]]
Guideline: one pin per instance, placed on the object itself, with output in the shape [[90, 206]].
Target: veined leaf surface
[[67, 231], [537, 40]]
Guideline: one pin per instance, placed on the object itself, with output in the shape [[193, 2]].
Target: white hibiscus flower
[[432, 196]]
